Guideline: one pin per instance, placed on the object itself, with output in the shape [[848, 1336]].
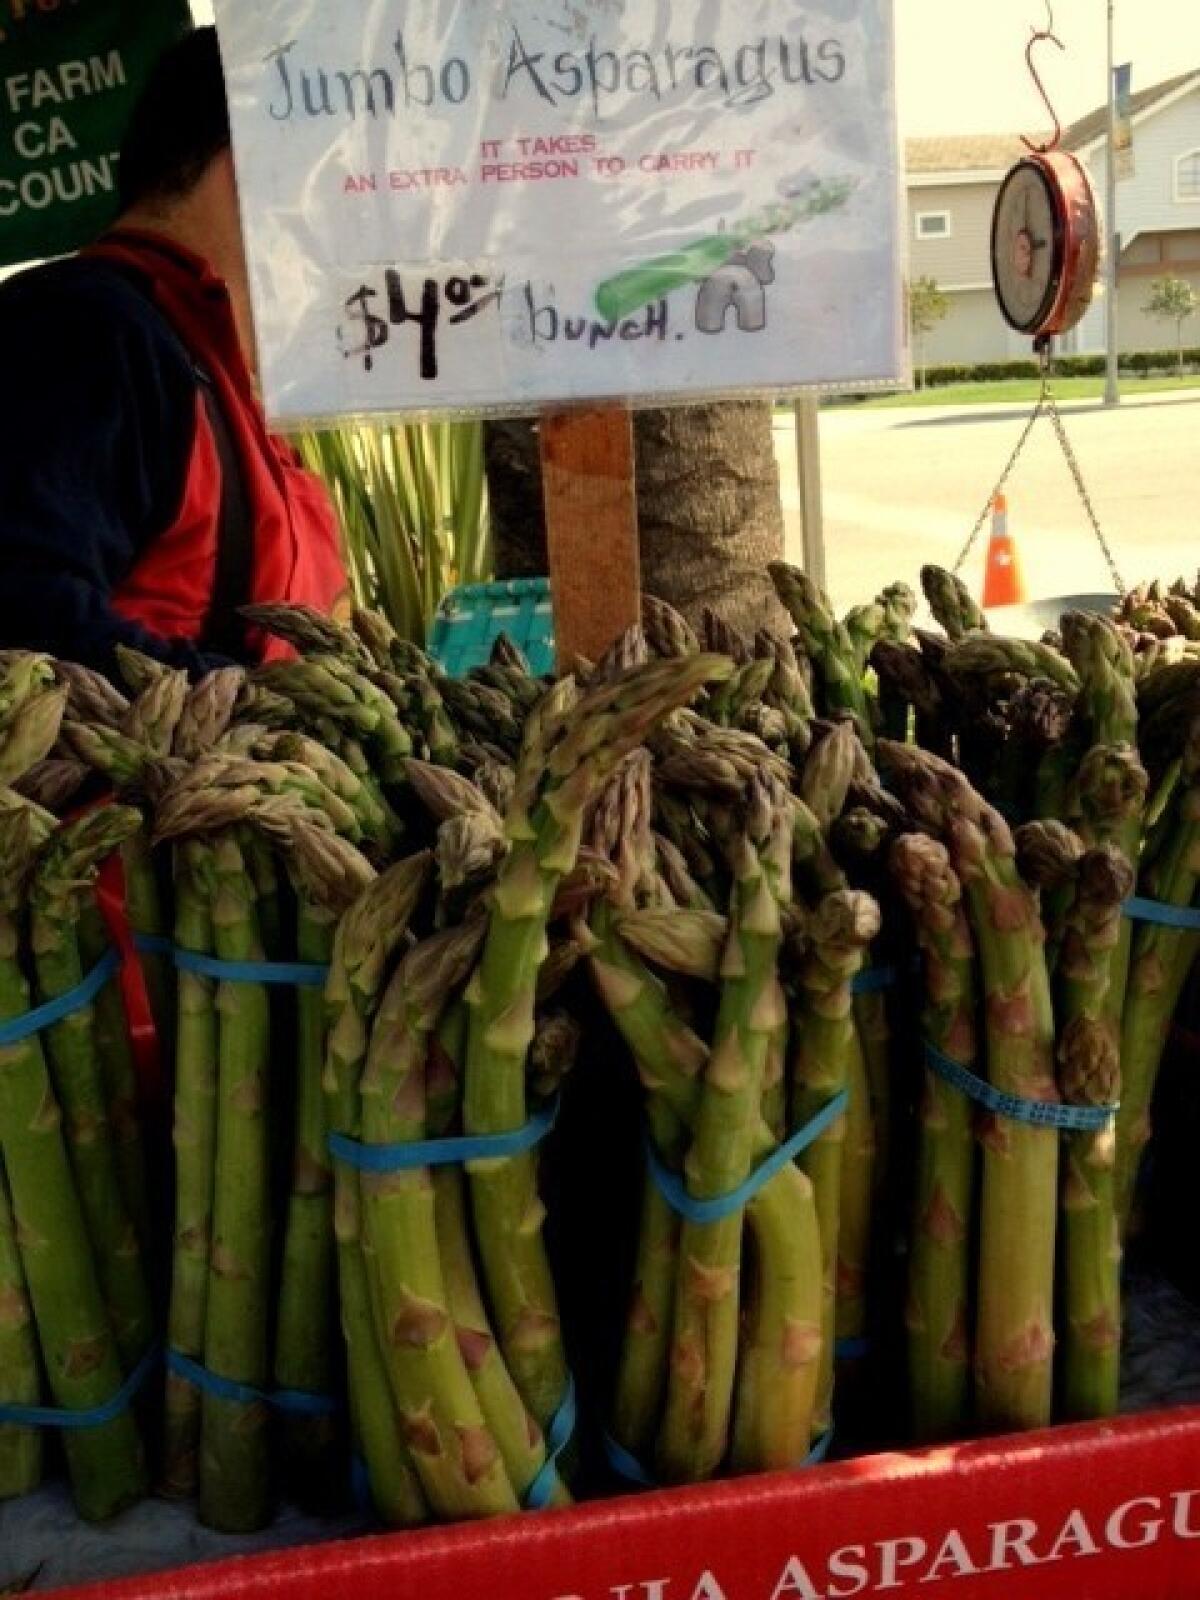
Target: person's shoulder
[[86, 296]]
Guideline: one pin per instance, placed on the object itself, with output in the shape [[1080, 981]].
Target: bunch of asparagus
[[397, 903]]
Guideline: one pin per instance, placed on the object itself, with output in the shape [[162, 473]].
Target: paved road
[[905, 486]]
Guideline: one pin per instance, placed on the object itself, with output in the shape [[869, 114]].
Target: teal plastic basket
[[471, 619]]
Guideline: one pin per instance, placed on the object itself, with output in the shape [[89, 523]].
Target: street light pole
[[1112, 388]]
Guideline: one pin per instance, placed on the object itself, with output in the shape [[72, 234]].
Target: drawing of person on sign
[[738, 288]]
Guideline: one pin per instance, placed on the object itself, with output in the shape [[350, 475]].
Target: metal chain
[[1038, 410], [1077, 474], [1048, 406]]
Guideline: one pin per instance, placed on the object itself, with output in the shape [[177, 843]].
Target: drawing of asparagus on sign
[[470, 206]]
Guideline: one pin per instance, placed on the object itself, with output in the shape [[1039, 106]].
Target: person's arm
[[93, 456]]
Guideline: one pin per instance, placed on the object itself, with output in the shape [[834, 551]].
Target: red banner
[[1094, 1513]]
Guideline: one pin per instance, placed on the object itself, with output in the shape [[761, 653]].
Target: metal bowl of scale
[[1036, 617]]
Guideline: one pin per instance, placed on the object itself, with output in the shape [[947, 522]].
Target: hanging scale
[[1045, 255]]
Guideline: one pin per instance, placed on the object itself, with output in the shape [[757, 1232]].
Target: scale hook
[[1045, 35]]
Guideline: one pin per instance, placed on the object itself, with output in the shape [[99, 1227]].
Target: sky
[[962, 62]]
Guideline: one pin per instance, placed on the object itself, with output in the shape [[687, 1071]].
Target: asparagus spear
[[65, 874], [20, 1380], [366, 939], [518, 1436], [569, 753], [952, 603], [234, 1462], [31, 732], [195, 1139], [700, 1388], [828, 646], [454, 1449], [304, 1349], [1160, 963], [1089, 1068], [79, 1352], [825, 1044], [1014, 1325], [939, 1295]]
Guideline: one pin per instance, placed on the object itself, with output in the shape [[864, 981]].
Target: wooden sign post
[[591, 528]]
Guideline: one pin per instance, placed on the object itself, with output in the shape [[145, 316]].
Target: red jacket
[[297, 554], [111, 483]]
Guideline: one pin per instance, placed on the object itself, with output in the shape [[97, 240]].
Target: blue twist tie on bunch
[[153, 944], [875, 980], [17, 1029], [384, 1158], [1035, 1113], [282, 974], [703, 1212], [293, 1402], [558, 1436], [852, 1349], [1185, 918], [629, 1468], [97, 1417]]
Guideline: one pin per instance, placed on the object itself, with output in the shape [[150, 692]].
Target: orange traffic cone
[[1003, 581]]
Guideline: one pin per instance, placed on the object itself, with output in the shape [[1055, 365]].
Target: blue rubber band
[[629, 1468], [1185, 918], [674, 1191], [283, 974], [558, 1436], [360, 1484], [1035, 1113], [875, 980], [302, 1403], [98, 1417], [625, 1465], [383, 1158], [293, 1402], [852, 1349], [153, 944], [17, 1029]]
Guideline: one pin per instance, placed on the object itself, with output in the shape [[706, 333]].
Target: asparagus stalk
[[65, 874], [1161, 961], [939, 1291], [1090, 1075], [670, 1059], [825, 1044], [119, 1081], [952, 603], [701, 1376], [366, 939], [20, 1380], [454, 1449], [828, 646], [79, 1353], [518, 1436], [195, 1142], [234, 1461], [1015, 1324], [568, 755], [304, 1330]]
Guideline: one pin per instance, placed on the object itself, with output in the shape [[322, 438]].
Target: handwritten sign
[[478, 205], [70, 73]]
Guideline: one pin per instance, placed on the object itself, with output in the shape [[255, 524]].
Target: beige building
[[952, 189]]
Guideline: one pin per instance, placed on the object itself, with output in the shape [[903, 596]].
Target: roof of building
[[1095, 124], [994, 152], [973, 152]]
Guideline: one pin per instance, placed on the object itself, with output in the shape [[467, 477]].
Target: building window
[[935, 224], [1187, 176]]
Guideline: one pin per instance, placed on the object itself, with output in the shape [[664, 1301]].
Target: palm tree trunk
[[708, 507]]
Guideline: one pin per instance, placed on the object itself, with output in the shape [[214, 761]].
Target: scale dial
[[1045, 245]]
